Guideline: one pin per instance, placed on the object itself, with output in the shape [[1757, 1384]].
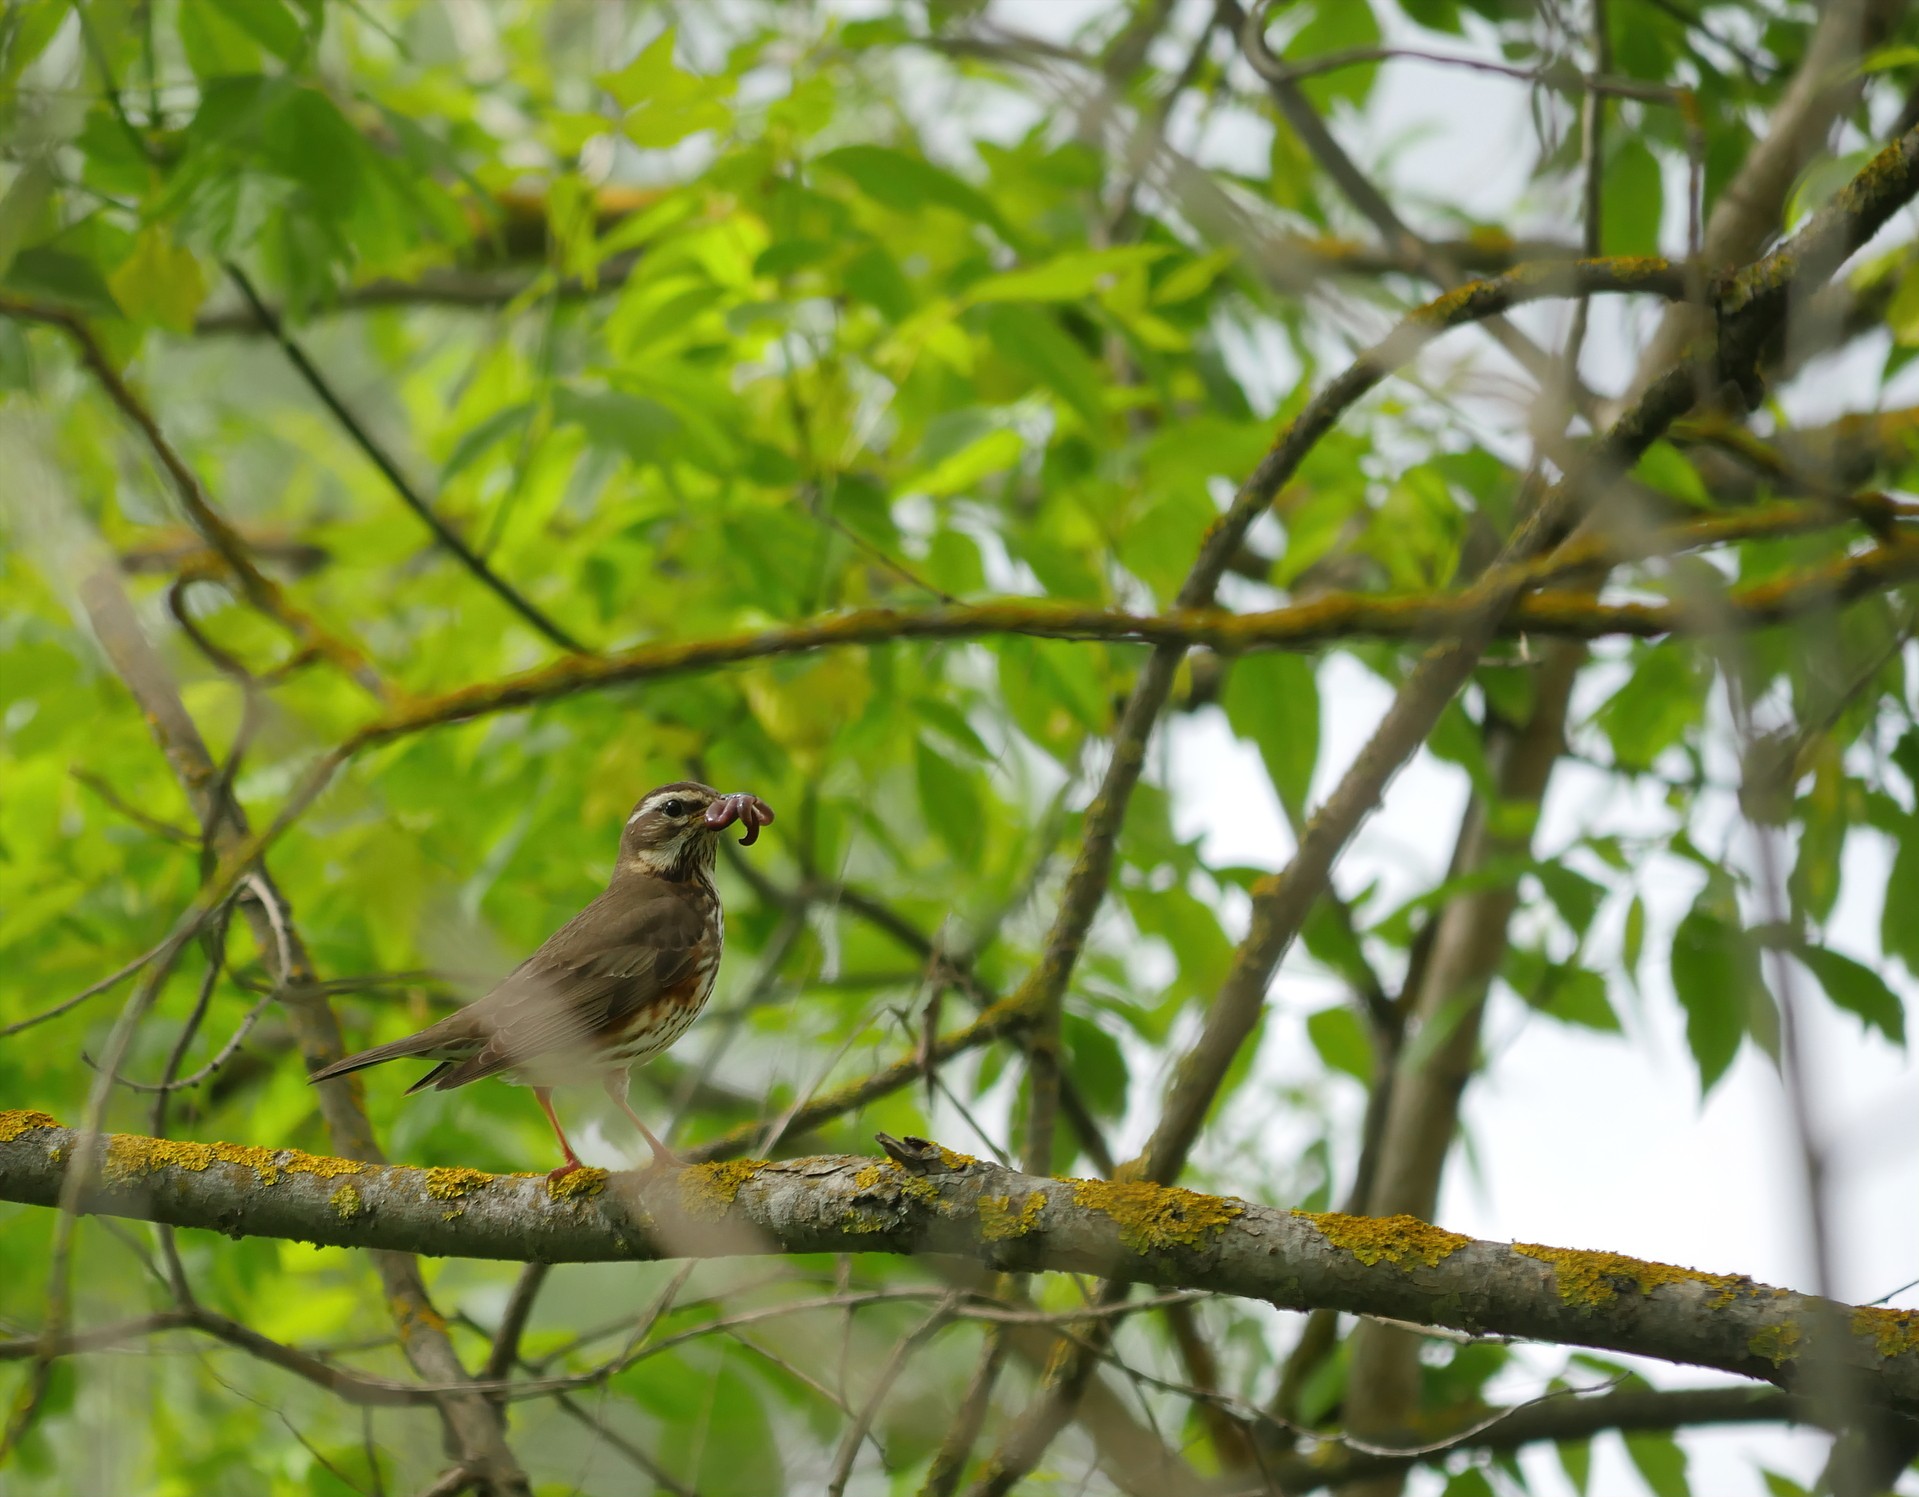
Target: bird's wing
[[612, 958]]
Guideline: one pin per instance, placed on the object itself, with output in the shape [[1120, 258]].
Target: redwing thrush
[[619, 982]]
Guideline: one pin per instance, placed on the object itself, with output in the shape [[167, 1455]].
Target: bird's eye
[[675, 808]]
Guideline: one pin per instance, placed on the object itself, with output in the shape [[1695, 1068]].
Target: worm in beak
[[748, 810]]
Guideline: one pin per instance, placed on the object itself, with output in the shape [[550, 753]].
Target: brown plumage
[[616, 984]]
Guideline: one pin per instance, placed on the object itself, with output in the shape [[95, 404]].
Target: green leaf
[[1821, 180], [509, 421], [215, 43], [1576, 1460], [70, 280], [950, 802], [908, 184], [25, 212], [1662, 699], [1457, 739], [1193, 277], [1664, 467], [1069, 277], [1898, 931], [1342, 1042], [1434, 15], [1097, 1065], [664, 103], [29, 27], [1577, 995], [1273, 700], [1633, 941], [1857, 989], [1661, 1463], [961, 472], [1472, 1482], [1632, 198], [268, 22], [160, 282], [1576, 897], [1336, 26], [874, 277], [1037, 343], [1716, 975]]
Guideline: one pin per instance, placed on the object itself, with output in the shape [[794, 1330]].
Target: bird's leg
[[544, 1096], [663, 1157]]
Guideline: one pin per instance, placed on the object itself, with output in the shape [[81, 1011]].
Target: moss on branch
[[1132, 1230]]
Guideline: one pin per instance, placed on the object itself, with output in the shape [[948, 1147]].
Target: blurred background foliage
[[698, 319]]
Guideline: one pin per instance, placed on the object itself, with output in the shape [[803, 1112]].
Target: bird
[[614, 986]]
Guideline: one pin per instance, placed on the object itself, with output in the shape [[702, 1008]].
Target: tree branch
[[1553, 1418], [473, 1426], [946, 1203], [1753, 306]]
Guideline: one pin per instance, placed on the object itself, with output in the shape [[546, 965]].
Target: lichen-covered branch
[[946, 1203], [1324, 619], [1751, 307], [473, 1426], [1044, 988]]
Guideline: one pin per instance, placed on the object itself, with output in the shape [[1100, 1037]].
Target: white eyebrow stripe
[[658, 799]]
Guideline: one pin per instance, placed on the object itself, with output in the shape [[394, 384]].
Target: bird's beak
[[748, 810]]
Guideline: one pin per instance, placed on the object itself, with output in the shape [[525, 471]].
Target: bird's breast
[[655, 1025]]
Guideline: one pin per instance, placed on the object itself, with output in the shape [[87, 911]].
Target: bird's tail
[[424, 1043]]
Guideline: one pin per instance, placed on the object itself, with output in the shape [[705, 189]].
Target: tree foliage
[[429, 426]]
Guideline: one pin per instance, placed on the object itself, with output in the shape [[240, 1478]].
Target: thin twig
[[92, 990], [883, 1381], [389, 470]]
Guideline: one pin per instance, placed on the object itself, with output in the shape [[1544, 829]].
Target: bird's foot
[[555, 1176], [663, 1159]]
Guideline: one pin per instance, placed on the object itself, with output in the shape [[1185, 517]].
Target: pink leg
[[544, 1096], [663, 1157]]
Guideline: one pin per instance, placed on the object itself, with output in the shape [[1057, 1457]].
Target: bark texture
[[946, 1203]]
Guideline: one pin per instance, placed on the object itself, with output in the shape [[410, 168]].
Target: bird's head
[[673, 831]]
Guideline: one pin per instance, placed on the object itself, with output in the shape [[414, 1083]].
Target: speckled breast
[[669, 1016]]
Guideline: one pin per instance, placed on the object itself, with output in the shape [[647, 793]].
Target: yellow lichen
[[450, 1183], [16, 1122], [1591, 1279], [1400, 1240], [576, 1184], [409, 1315], [998, 1220], [263, 1162], [953, 1159], [919, 1188], [707, 1190], [1778, 1344], [326, 1166], [1894, 1332], [892, 1186], [130, 1156], [1155, 1218], [346, 1201]]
